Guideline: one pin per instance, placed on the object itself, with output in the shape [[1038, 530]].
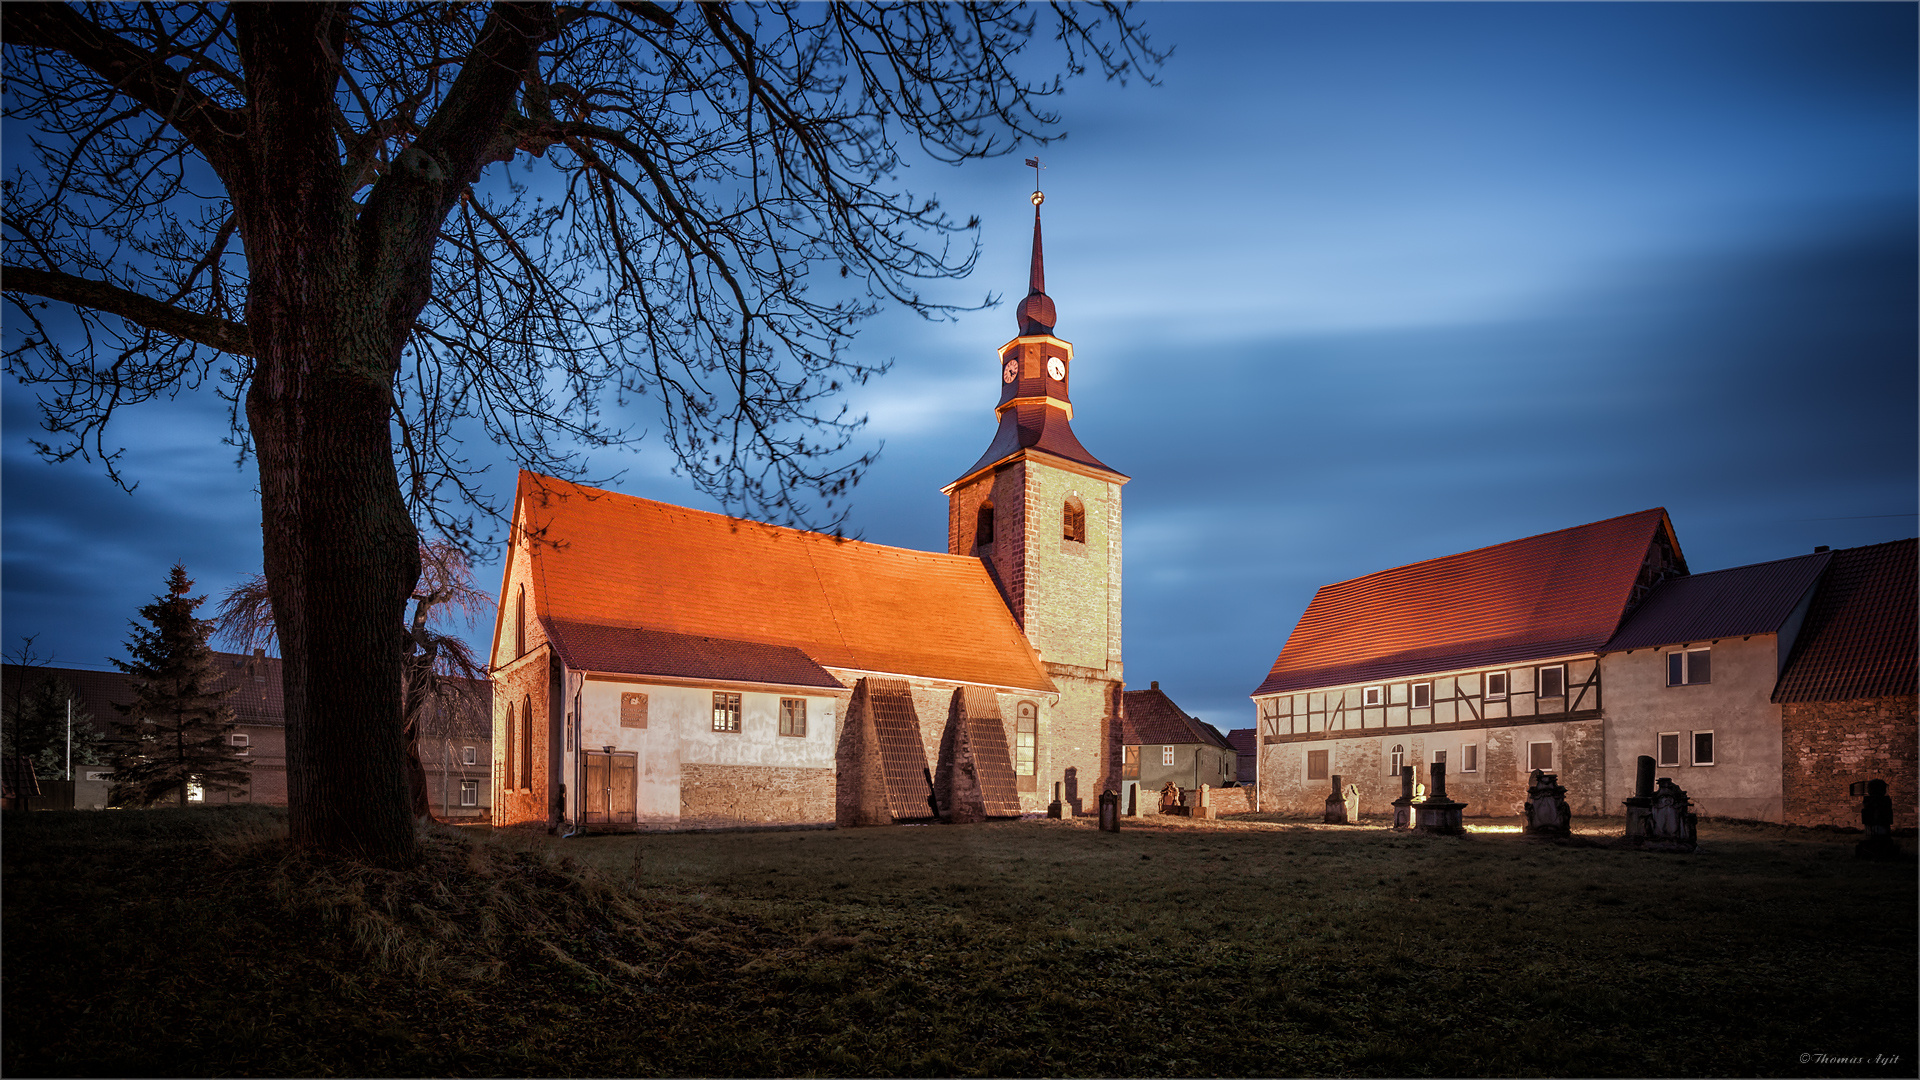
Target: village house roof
[[1859, 637], [604, 559], [1246, 742], [1742, 600], [1152, 719], [1555, 594], [587, 647]]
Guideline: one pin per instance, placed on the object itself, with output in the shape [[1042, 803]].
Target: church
[[660, 666]]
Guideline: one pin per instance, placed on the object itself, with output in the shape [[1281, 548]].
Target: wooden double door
[[612, 788]]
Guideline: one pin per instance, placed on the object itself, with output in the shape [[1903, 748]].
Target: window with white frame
[[1372, 695], [1689, 667], [1552, 681], [1496, 686], [1166, 755], [1540, 756], [469, 755], [1669, 748], [1470, 757], [469, 793], [242, 744], [1397, 759], [1703, 748], [1423, 695]]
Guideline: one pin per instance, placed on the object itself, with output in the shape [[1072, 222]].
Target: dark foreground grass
[[191, 942]]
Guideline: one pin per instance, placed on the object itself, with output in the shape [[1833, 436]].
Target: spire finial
[[1035, 313]]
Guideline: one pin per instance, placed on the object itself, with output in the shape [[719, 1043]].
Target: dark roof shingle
[[1152, 719], [1859, 638], [635, 651], [1742, 600]]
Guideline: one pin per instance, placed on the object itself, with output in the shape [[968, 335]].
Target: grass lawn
[[191, 942]]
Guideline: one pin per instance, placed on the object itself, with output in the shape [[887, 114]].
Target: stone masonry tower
[[1044, 515]]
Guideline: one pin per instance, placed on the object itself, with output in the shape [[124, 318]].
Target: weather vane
[[1038, 197]]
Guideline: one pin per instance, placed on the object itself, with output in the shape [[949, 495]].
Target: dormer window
[[1074, 522], [983, 526]]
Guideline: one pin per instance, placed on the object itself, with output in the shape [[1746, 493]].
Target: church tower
[[1044, 515]]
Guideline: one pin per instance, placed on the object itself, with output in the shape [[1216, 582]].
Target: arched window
[[1399, 758], [526, 743], [520, 623], [983, 526], [511, 734], [1074, 522], [1026, 733]]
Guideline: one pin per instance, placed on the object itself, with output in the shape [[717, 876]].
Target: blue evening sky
[[1359, 285]]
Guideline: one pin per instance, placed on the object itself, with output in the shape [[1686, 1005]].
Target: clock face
[[1056, 368], [1010, 372]]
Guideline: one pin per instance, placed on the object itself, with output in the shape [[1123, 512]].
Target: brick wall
[[1828, 745], [755, 795], [514, 687]]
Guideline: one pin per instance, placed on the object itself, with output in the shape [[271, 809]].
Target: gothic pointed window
[[520, 623], [1074, 522], [526, 743], [983, 526], [1026, 743], [510, 772]]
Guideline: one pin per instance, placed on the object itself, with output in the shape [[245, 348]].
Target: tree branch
[[231, 337]]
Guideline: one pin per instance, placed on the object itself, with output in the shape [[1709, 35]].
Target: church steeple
[[1035, 313]]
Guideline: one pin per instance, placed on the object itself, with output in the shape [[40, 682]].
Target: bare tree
[[293, 203], [444, 683]]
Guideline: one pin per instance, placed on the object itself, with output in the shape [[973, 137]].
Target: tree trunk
[[340, 553]]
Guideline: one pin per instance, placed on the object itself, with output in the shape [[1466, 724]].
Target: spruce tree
[[37, 728], [179, 714]]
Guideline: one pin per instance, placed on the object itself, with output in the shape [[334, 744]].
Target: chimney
[[1821, 548], [1156, 685]]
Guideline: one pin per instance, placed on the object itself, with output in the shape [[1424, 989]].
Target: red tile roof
[[631, 651], [1743, 600], [1152, 719], [1859, 637], [1549, 595], [614, 560]]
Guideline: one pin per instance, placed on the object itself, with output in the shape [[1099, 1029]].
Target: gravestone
[[1109, 811], [1876, 815], [1640, 806], [1353, 804], [1403, 806], [1054, 807], [1436, 814], [1669, 821], [1203, 807], [1547, 813], [1336, 810]]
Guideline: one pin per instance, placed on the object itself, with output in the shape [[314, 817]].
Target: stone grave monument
[[1669, 819], [1403, 806], [1109, 811], [1203, 802], [1436, 814], [1057, 808], [1336, 812], [1640, 806], [1547, 813], [1876, 815]]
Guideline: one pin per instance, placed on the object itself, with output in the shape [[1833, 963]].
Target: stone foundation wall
[[755, 795], [1828, 745], [1232, 800]]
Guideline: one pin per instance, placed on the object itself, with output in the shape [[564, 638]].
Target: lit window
[[793, 716], [1130, 764], [1470, 757], [1399, 759], [469, 793], [1166, 755], [1316, 764], [196, 793], [1703, 748], [469, 755], [1689, 667], [1540, 756], [1372, 695], [1553, 681], [1073, 525], [1026, 734], [633, 710], [1496, 686], [1423, 695], [1669, 748], [726, 712]]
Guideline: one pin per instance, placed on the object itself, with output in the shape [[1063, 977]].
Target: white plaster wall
[[1745, 780], [680, 729]]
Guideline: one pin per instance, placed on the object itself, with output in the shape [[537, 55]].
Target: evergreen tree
[[36, 728], [179, 716]]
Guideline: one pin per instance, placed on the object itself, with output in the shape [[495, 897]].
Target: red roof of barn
[[1742, 600], [631, 651], [1549, 595], [611, 560], [1152, 719], [1859, 639]]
